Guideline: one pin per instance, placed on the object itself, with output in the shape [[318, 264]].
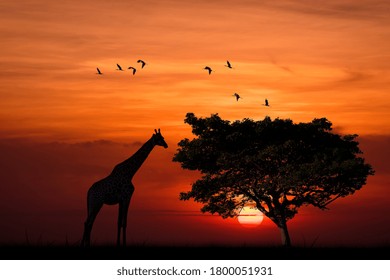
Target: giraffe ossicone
[[117, 188]]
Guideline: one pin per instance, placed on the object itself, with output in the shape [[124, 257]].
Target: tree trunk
[[284, 233]]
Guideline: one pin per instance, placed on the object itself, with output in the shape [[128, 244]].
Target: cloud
[[46, 183], [376, 151], [51, 179], [346, 9], [58, 174]]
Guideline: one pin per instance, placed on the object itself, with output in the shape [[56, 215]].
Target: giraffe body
[[117, 188]]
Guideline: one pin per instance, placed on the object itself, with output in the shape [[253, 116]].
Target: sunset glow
[[250, 217], [63, 126]]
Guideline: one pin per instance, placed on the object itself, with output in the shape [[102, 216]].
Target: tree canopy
[[277, 165]]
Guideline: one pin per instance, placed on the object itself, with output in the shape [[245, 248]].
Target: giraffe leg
[[85, 242], [124, 219], [120, 218], [122, 222], [88, 225]]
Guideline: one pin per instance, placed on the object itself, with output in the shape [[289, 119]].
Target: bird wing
[[119, 67], [228, 63], [132, 68], [141, 61]]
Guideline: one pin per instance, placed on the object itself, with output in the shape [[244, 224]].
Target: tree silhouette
[[275, 164]]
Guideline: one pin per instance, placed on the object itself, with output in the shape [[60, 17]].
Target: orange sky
[[308, 59]]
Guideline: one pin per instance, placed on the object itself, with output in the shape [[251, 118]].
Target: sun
[[250, 217]]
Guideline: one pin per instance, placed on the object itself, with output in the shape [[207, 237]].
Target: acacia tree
[[276, 165]]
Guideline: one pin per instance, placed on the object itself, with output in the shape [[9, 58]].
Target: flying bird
[[134, 70], [98, 71], [208, 69], [237, 96], [119, 67], [142, 62], [228, 65]]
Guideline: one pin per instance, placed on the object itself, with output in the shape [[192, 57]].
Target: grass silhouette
[[73, 251], [41, 250]]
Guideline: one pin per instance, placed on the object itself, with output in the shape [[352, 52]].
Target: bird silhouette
[[119, 67], [228, 65], [266, 102], [134, 70], [98, 71], [237, 96], [208, 69], [142, 62]]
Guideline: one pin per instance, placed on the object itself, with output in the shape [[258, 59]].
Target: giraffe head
[[159, 139]]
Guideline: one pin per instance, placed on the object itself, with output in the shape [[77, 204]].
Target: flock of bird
[[143, 63], [208, 68], [229, 65]]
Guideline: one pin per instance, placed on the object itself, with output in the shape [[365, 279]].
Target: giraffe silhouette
[[117, 188]]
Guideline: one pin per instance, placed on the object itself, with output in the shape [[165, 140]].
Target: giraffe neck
[[131, 165]]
